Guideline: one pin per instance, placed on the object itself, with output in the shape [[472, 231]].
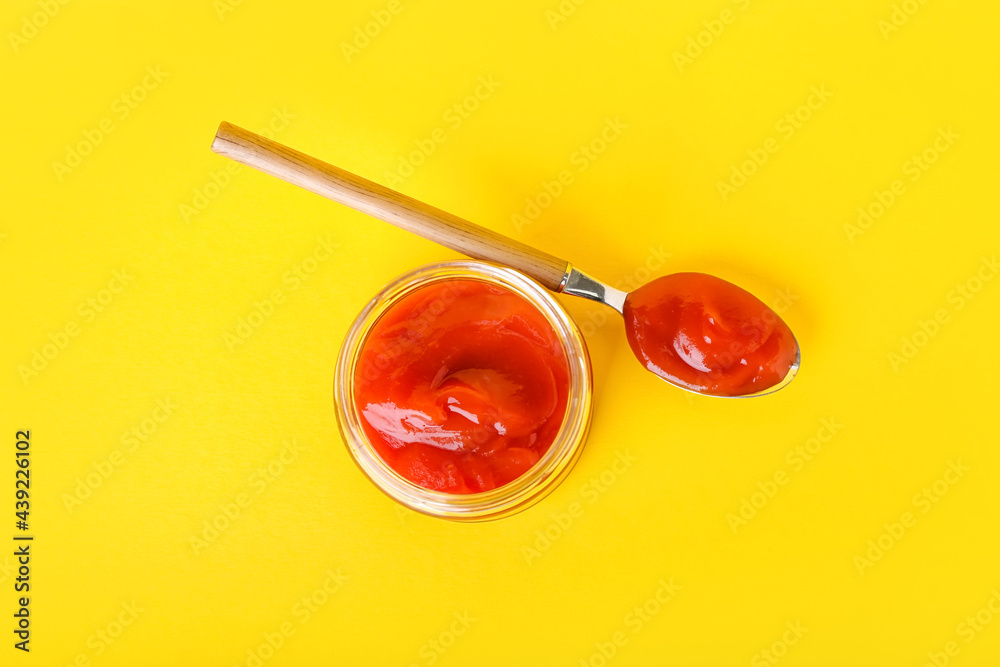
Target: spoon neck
[[577, 283]]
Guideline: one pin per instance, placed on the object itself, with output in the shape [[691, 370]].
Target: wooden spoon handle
[[380, 202]]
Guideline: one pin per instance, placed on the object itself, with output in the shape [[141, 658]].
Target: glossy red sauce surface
[[462, 386], [708, 335]]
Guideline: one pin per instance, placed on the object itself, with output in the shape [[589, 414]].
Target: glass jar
[[537, 481]]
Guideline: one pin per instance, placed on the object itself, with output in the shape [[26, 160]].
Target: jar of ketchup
[[463, 390]]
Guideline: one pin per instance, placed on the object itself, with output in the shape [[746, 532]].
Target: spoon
[[695, 331]]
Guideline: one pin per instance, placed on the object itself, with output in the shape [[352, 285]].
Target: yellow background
[[196, 277]]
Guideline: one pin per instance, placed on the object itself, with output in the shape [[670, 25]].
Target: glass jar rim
[[538, 480]]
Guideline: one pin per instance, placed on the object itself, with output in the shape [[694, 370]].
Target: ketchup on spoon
[[708, 335]]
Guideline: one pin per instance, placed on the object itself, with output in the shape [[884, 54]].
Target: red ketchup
[[708, 335], [462, 386]]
